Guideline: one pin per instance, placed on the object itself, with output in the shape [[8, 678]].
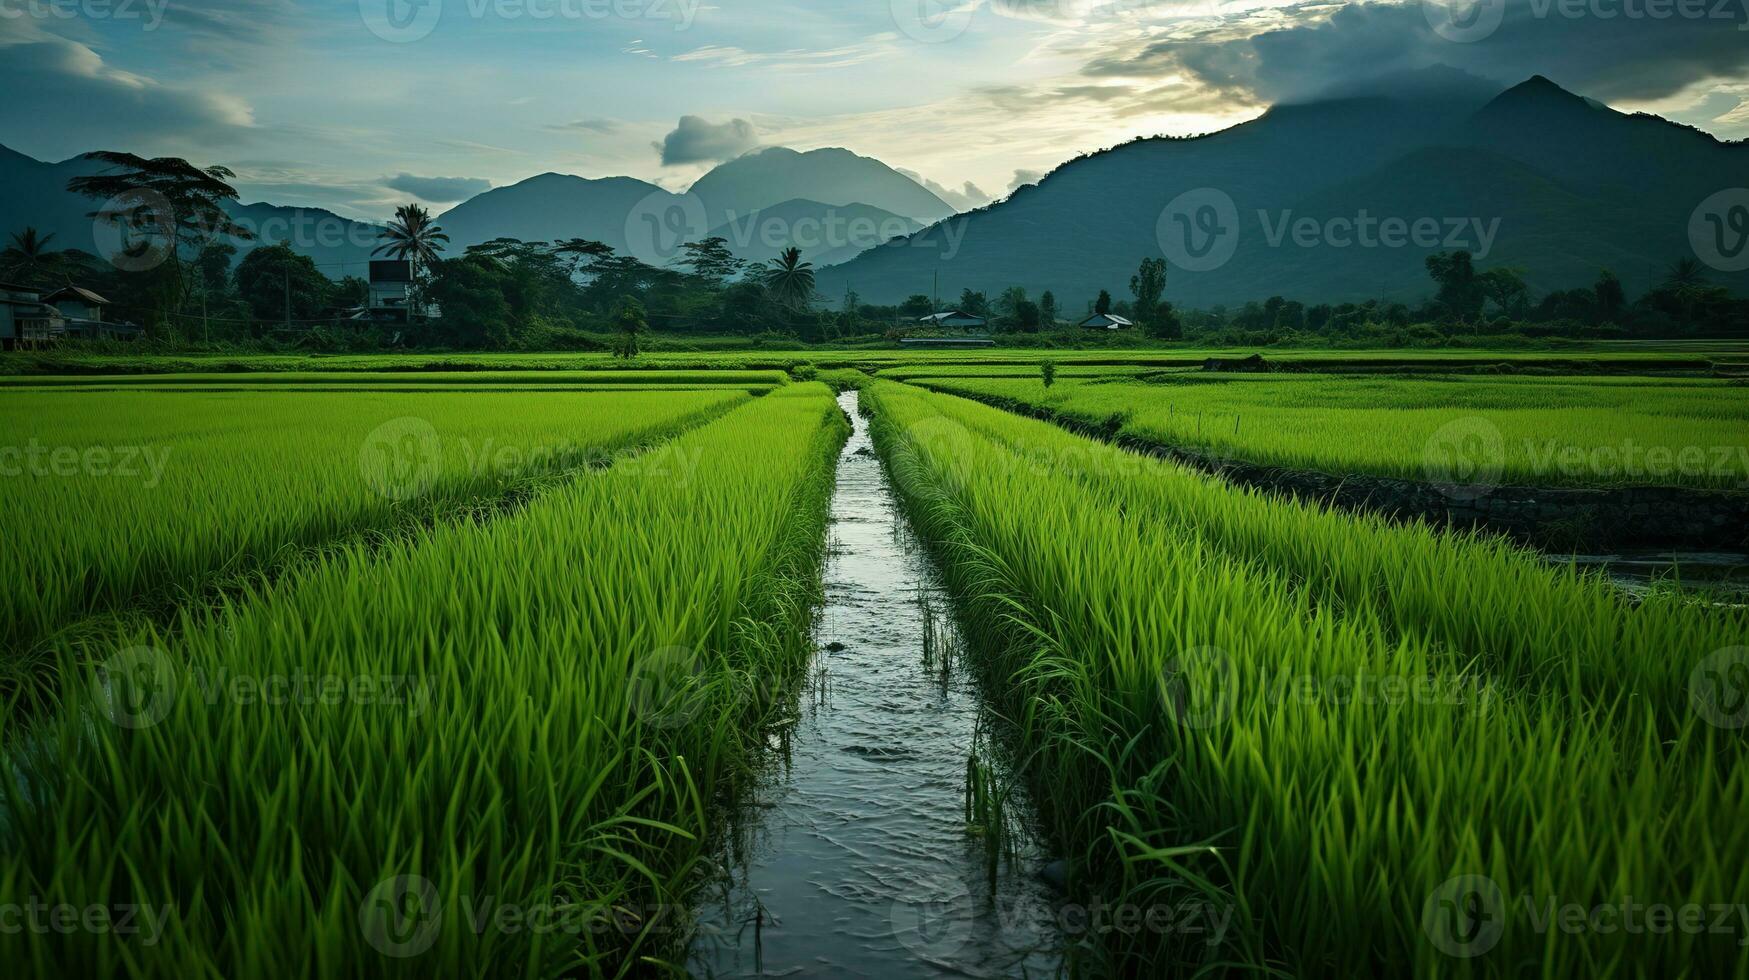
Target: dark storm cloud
[[1611, 49], [696, 140]]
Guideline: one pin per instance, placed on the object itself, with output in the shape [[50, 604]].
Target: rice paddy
[[1321, 721], [502, 668], [1561, 430]]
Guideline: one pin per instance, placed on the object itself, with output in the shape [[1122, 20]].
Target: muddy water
[[852, 856]]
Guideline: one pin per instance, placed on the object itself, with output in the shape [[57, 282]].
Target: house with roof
[[19, 306], [1106, 321], [28, 316], [952, 318]]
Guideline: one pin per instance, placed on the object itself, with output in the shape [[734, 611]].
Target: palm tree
[[412, 236], [1686, 280], [29, 257], [791, 279], [1687, 272]]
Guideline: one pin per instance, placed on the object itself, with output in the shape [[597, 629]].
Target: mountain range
[[1533, 178], [1301, 202], [831, 202]]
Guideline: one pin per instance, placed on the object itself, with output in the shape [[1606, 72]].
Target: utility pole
[[287, 268], [935, 293]]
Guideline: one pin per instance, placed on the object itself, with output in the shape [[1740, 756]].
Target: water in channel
[[852, 856]]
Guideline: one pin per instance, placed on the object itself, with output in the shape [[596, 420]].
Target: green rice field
[[1563, 430], [519, 665]]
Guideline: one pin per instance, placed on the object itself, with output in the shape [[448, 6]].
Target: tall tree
[[412, 235], [974, 303], [280, 285], [1047, 310], [580, 250], [1102, 305], [160, 207], [790, 279], [1008, 305], [711, 261], [1506, 289], [1459, 292], [1609, 296], [1147, 285]]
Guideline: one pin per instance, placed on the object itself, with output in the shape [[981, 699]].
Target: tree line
[[178, 275]]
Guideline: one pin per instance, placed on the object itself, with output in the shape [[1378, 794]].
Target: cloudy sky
[[356, 105]]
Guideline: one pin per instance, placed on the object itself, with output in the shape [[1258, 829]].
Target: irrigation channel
[[852, 856]]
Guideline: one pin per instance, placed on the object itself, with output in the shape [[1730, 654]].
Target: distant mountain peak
[[1541, 88], [830, 175]]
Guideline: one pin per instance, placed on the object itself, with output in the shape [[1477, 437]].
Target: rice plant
[[494, 749], [1338, 731]]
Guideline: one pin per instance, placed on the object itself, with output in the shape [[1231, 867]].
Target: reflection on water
[[853, 857], [1716, 576]]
